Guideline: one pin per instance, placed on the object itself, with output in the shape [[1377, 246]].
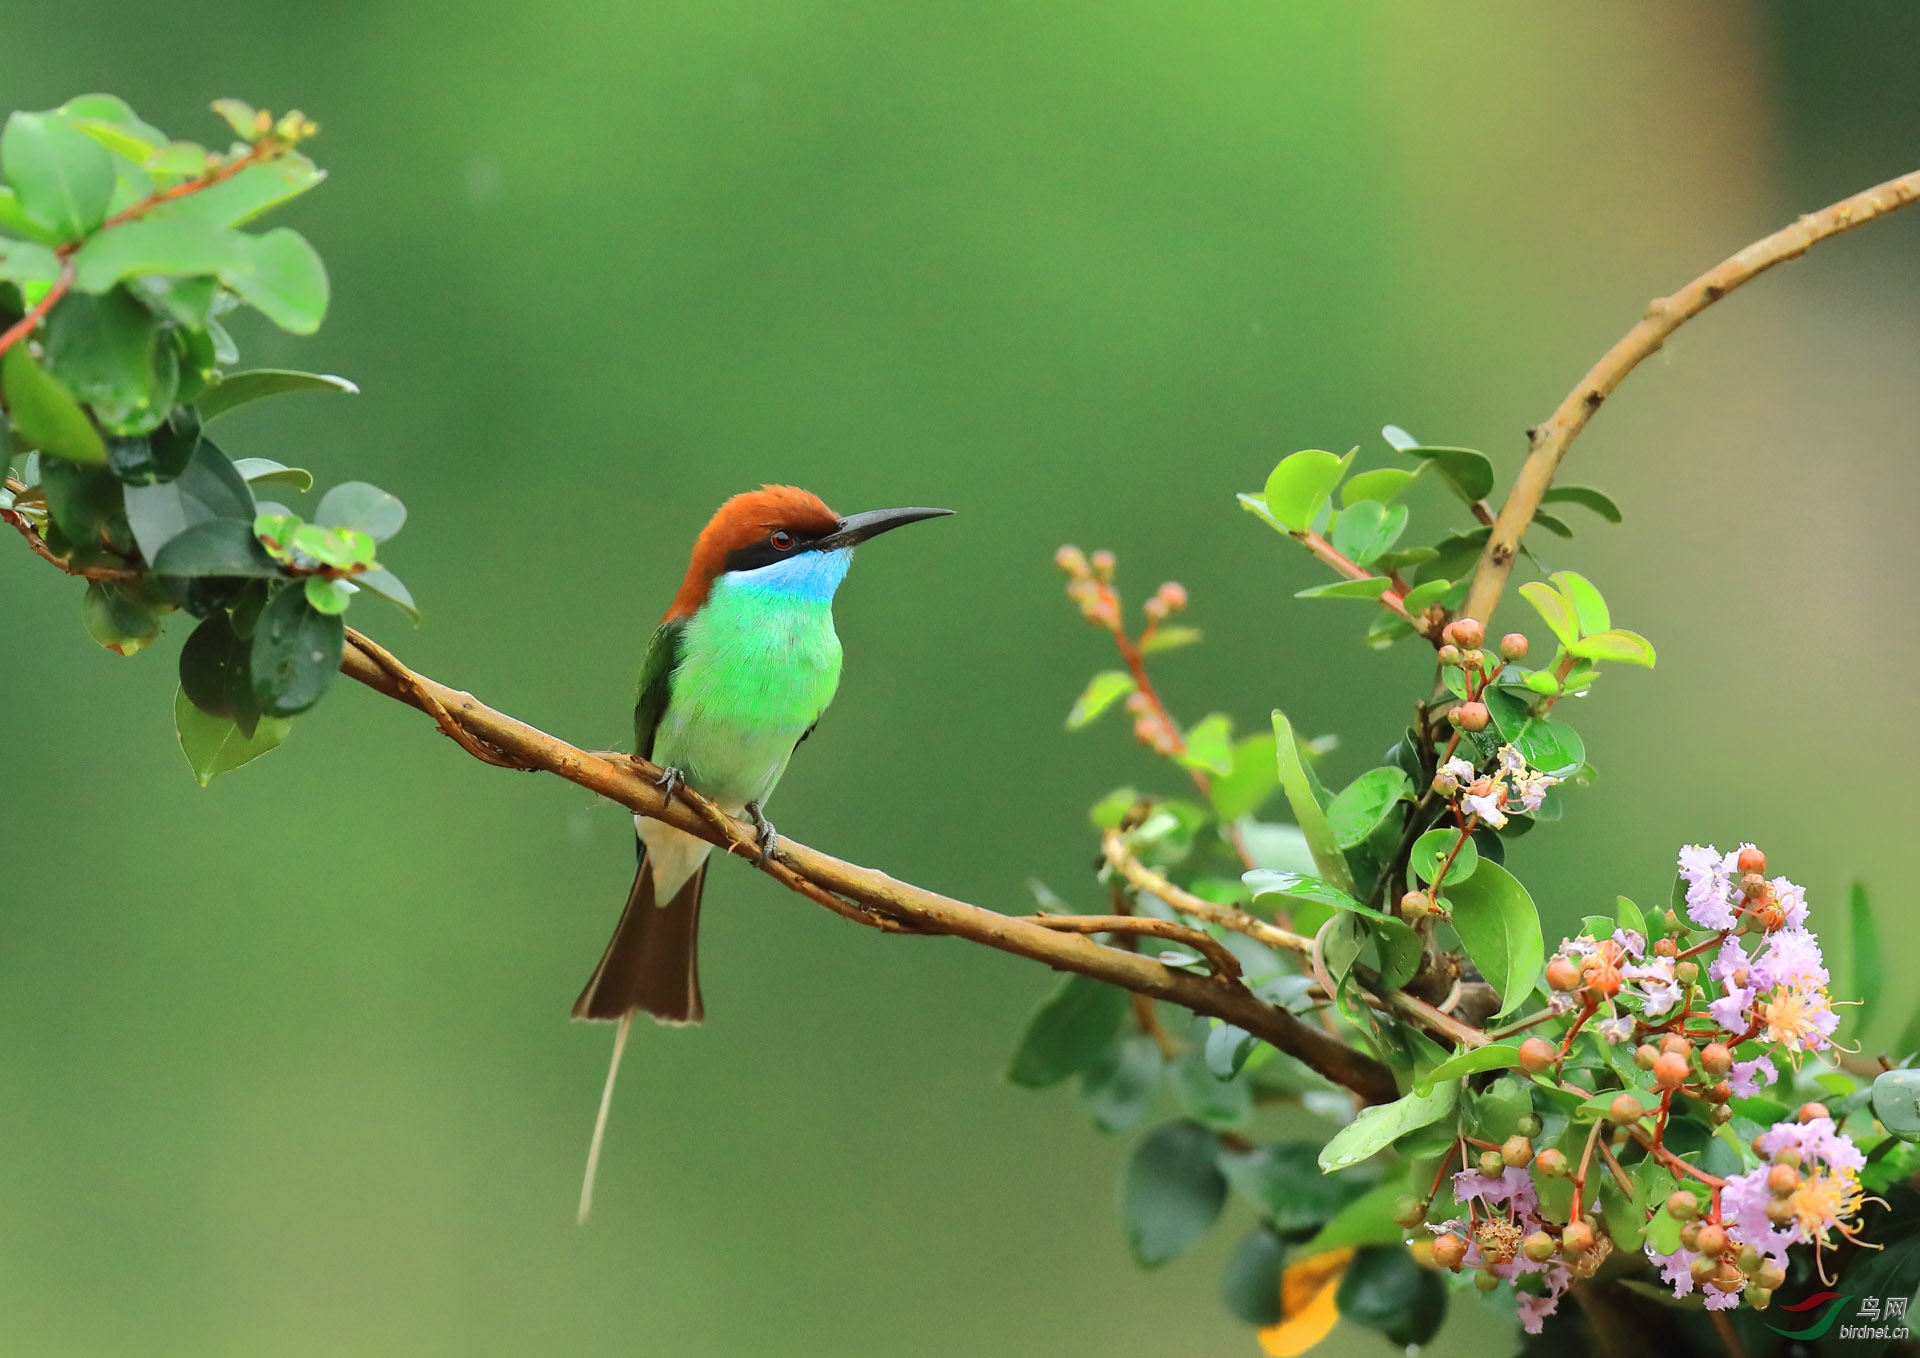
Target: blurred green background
[[285, 1066]]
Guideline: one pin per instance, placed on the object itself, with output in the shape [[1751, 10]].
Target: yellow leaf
[[1307, 1309]]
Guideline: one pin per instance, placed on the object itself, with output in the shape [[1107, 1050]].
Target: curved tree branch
[[1549, 442], [866, 895]]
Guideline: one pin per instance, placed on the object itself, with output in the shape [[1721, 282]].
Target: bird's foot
[[769, 837], [670, 781]]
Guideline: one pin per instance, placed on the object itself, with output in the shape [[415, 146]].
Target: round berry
[[1562, 974], [1625, 1109], [1670, 1071], [1810, 1111], [1539, 1247], [1751, 860], [1470, 716], [1577, 1238], [1408, 1211], [1492, 1164], [1530, 1125], [1448, 654], [1464, 633], [1716, 1058], [1645, 1055], [1449, 1251], [1517, 1152], [1673, 1042], [1551, 1162], [1713, 1238], [1682, 1205], [1537, 1055], [1513, 646], [1782, 1180]]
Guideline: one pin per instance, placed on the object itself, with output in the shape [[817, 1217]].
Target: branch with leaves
[[1541, 1123]]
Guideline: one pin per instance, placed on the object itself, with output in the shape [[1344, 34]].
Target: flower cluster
[[1504, 1238], [1778, 989], [1807, 1187], [1510, 788]]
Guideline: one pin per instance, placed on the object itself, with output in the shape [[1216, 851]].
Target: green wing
[[656, 678]]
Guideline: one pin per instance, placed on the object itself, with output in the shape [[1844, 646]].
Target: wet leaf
[[215, 745]]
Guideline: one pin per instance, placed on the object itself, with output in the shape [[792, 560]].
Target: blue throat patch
[[810, 577]]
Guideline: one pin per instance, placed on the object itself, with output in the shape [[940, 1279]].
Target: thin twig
[[1549, 442], [1114, 846], [1225, 964]]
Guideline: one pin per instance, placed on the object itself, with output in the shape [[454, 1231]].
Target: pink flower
[[1514, 1186], [1535, 1310], [1709, 875], [1750, 1077], [1792, 957], [1676, 1269]]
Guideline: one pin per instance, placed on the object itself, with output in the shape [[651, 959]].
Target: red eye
[[782, 540]]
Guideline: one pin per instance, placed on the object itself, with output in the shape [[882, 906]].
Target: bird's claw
[[670, 781], [769, 837]]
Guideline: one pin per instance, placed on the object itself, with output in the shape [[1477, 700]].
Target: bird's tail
[[651, 965], [652, 962]]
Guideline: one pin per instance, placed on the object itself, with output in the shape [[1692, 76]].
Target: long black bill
[[857, 528]]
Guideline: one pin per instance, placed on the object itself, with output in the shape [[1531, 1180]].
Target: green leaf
[[1552, 524], [296, 653], [1371, 588], [44, 413], [1367, 529], [1256, 505], [1380, 1126], [1383, 484], [83, 500], [215, 745], [1630, 917], [1367, 1220], [1385, 1290], [1307, 813], [1169, 639], [1070, 1029], [1250, 1284], [387, 585], [119, 617], [1586, 496], [1423, 596], [241, 117], [1497, 921], [218, 547], [265, 471], [237, 389], [177, 160], [1551, 606], [116, 356], [210, 488], [1118, 1088], [1172, 1192], [1455, 557], [1209, 745], [24, 262], [1547, 745], [1223, 1105], [1896, 1102], [1364, 805], [215, 674], [358, 505], [1102, 691], [113, 111], [1431, 850], [281, 276], [329, 596], [1869, 976], [1619, 646], [1263, 882], [1252, 780], [15, 222], [161, 455], [1468, 473], [1471, 1061], [1299, 487], [167, 247], [63, 177], [116, 139], [1284, 1184], [1589, 609]]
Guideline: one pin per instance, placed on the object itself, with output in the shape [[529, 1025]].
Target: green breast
[[756, 671]]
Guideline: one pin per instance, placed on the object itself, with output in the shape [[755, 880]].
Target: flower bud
[[1486, 1280], [1173, 595], [1102, 562], [1713, 1238], [1782, 1180], [1666, 947], [1071, 560], [1645, 1055], [1786, 1155], [1449, 1251], [1625, 1109], [1720, 1091], [1753, 885], [1810, 1111], [1513, 646], [1704, 1268], [1751, 860], [1771, 1275], [1720, 1115], [1726, 1278], [1749, 1260], [1473, 660], [1673, 1042], [1517, 1152], [1683, 1205], [1716, 1058], [1539, 1247], [1448, 654], [1670, 1071], [1686, 972], [1551, 1162], [1530, 1125], [1576, 1238], [1416, 905], [1492, 1164], [1537, 1055], [1421, 1248], [1780, 1211], [1690, 1235], [1759, 1297], [1562, 974], [1470, 716], [1408, 1211], [1464, 633]]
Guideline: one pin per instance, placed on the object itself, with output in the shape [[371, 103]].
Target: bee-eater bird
[[736, 676]]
